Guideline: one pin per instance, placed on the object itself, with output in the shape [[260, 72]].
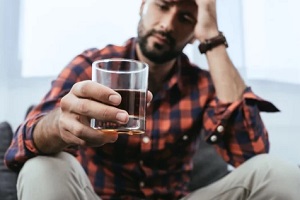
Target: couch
[[8, 178]]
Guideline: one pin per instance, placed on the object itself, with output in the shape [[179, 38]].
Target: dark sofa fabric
[[8, 178], [209, 166]]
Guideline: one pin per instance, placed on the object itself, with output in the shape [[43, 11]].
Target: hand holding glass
[[130, 79]]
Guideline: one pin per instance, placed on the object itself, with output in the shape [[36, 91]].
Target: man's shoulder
[[109, 51]]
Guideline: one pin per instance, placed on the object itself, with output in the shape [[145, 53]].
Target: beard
[[158, 54]]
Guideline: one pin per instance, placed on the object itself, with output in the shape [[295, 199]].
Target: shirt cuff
[[28, 134], [249, 99], [224, 111]]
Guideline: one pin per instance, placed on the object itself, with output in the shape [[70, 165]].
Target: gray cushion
[[209, 166], [8, 178]]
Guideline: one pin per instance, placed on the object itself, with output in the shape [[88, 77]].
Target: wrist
[[208, 35], [46, 135], [213, 42]]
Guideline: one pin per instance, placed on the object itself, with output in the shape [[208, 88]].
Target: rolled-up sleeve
[[22, 147], [236, 129]]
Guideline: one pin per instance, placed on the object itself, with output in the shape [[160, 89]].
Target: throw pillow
[[8, 178]]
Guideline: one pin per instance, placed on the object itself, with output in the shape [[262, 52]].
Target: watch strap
[[211, 43]]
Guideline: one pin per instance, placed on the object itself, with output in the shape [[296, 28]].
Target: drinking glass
[[130, 79]]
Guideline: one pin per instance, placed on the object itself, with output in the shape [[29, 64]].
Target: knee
[[265, 160], [276, 169], [277, 176], [273, 163], [56, 177], [46, 168]]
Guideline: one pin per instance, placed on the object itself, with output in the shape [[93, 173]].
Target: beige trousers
[[62, 178]]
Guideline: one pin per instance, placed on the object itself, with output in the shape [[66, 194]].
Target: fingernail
[[121, 116], [115, 99]]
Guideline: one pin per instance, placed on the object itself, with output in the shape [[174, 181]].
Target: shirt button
[[146, 140], [185, 137], [220, 129], [142, 184], [213, 138]]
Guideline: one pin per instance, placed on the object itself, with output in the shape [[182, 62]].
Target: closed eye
[[186, 17], [163, 6]]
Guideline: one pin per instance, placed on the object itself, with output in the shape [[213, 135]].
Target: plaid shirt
[[157, 164]]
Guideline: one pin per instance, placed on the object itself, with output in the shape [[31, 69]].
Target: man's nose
[[168, 21]]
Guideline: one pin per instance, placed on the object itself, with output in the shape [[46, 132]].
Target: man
[[187, 103]]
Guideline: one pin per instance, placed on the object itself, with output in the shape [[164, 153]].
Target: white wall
[[284, 126], [17, 93], [271, 27], [3, 70], [3, 87]]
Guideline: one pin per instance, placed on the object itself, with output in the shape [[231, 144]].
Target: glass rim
[[96, 66]]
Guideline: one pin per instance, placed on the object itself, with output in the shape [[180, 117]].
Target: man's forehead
[[178, 1], [185, 3], [175, 1]]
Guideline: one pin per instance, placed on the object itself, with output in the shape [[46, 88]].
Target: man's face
[[165, 28]]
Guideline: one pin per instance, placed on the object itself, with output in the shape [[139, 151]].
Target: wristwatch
[[211, 43]]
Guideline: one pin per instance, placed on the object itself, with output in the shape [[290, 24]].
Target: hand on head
[[207, 26]]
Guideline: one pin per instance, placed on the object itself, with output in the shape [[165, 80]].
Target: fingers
[[98, 92], [149, 96], [75, 131], [93, 109], [94, 100], [86, 100]]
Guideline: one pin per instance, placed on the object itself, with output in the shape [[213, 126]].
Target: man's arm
[[236, 129], [62, 117], [232, 119], [227, 81], [46, 135], [69, 124]]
